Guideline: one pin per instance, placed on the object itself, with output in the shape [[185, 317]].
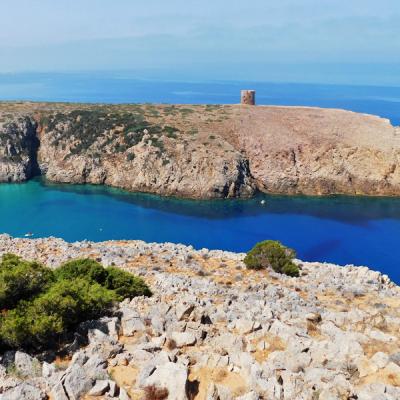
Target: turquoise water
[[363, 231]]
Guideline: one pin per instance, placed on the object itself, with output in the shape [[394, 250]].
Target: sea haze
[[123, 87]]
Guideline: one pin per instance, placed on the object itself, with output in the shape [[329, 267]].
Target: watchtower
[[248, 97]]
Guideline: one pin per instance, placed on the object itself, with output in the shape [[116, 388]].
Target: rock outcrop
[[18, 147], [129, 152], [214, 330], [294, 150], [202, 151]]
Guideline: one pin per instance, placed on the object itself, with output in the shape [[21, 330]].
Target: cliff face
[[127, 151], [18, 146], [202, 151], [320, 151]]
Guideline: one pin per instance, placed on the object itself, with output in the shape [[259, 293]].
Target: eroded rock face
[[314, 151], [202, 151], [186, 171], [18, 146]]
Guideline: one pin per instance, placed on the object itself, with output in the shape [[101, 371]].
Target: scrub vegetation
[[40, 306], [272, 254]]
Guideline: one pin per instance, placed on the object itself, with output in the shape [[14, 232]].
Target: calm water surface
[[363, 231]]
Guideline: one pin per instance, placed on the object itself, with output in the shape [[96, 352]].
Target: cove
[[337, 229]]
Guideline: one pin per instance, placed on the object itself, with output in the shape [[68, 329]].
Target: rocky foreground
[[210, 151], [214, 330]]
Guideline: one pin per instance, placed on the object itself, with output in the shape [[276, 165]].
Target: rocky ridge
[[214, 330], [202, 151]]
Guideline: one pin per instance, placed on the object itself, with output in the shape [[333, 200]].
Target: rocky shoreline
[[215, 330], [203, 152]]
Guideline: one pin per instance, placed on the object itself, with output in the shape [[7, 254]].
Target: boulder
[[77, 382], [103, 344], [182, 339], [24, 391], [100, 388], [58, 392], [27, 366], [172, 377], [183, 311], [380, 360]]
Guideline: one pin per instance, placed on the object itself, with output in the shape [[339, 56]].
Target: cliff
[[215, 330], [201, 151], [18, 147]]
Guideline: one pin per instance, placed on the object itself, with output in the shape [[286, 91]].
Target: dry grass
[[222, 376], [125, 377], [385, 376], [275, 344], [155, 393]]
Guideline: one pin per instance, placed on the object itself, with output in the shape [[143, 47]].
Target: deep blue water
[[124, 87], [339, 229], [363, 231]]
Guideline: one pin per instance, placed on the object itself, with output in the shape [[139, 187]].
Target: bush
[[272, 254], [82, 268], [21, 280], [37, 324], [122, 283], [40, 306]]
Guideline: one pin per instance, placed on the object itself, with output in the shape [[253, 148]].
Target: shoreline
[[44, 246]]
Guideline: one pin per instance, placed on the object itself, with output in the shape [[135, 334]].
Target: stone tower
[[248, 97]]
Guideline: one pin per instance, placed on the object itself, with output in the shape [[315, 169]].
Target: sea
[[338, 229]]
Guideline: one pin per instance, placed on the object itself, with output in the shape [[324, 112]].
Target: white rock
[[249, 396], [380, 359], [24, 391], [183, 339], [172, 377], [100, 387]]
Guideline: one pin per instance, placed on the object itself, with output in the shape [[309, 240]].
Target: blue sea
[[339, 229]]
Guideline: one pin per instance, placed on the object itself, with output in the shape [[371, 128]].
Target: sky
[[352, 41]]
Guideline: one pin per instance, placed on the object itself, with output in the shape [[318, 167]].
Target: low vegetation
[[39, 305], [272, 254], [102, 129]]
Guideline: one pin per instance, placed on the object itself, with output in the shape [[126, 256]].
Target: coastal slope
[[215, 330], [196, 151]]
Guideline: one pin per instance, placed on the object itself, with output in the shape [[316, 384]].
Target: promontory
[[201, 151]]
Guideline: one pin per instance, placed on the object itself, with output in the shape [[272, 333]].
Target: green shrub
[[82, 268], [272, 254], [21, 280], [38, 324], [40, 306], [125, 284], [122, 283]]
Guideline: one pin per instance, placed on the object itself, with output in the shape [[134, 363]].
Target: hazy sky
[[352, 40]]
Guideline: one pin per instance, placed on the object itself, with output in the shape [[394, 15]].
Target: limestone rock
[[100, 388], [77, 382], [182, 339], [172, 377], [24, 391]]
